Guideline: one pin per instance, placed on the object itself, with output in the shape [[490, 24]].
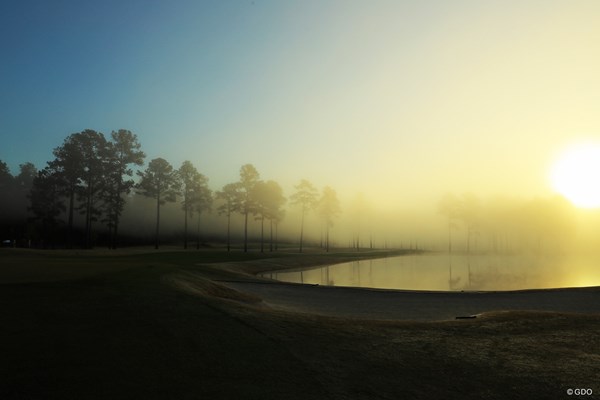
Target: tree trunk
[[110, 234], [468, 239], [115, 232], [228, 229], [262, 235], [301, 230], [449, 237], [70, 230], [87, 217], [157, 219], [246, 232], [321, 236], [271, 235], [116, 213], [198, 233], [185, 226]]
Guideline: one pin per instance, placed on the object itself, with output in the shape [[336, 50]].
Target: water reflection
[[453, 272]]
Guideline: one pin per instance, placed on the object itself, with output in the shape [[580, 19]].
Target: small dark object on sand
[[466, 317]]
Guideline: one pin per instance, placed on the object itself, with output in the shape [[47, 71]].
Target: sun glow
[[576, 175]]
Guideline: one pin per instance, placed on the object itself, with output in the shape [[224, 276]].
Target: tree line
[[93, 177], [503, 225]]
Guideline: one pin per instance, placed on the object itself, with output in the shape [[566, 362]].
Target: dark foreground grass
[[93, 326]]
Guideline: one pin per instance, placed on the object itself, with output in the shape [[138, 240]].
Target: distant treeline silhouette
[[93, 177]]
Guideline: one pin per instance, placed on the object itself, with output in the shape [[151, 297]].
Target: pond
[[444, 272]]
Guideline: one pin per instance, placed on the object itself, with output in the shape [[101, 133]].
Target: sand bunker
[[414, 305]]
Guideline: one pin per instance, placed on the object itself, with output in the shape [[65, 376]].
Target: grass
[[78, 325]]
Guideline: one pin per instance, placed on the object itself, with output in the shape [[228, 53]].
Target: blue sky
[[148, 66], [364, 96]]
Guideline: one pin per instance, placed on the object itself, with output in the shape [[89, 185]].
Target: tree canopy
[[305, 197], [160, 182], [329, 209]]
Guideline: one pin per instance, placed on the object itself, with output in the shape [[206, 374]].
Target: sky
[[400, 100]]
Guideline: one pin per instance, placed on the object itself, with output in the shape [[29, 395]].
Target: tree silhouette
[[305, 197], [231, 199], [124, 150], [23, 183], [94, 152], [260, 196], [203, 202], [81, 163], [249, 177], [14, 201], [47, 202], [27, 173], [449, 206], [273, 201], [159, 181], [188, 174], [329, 209], [68, 164], [14, 190], [196, 197], [6, 186], [5, 175], [93, 171], [360, 210], [469, 212], [276, 219], [268, 198]]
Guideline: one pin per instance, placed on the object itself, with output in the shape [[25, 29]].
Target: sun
[[576, 175]]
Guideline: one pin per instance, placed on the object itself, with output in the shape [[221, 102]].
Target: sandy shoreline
[[414, 305], [384, 304]]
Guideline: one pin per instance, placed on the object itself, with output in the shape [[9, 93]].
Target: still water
[[453, 272]]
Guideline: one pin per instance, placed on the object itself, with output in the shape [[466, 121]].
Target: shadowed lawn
[[81, 326], [125, 334]]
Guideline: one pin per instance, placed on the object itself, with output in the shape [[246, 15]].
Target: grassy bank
[[104, 325]]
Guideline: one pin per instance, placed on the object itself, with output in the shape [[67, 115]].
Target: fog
[[438, 126], [447, 221], [443, 272], [487, 225]]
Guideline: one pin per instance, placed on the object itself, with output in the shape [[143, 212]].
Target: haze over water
[[443, 272]]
